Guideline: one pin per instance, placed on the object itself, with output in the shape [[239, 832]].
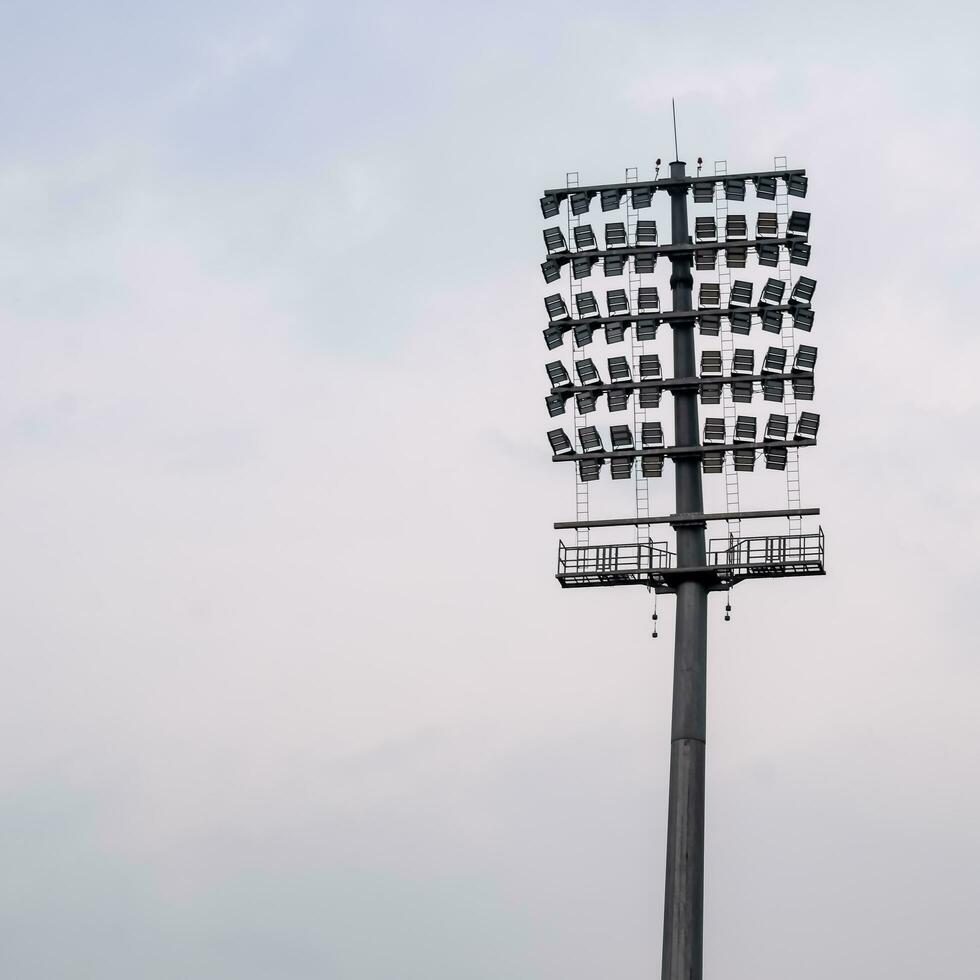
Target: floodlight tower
[[729, 445]]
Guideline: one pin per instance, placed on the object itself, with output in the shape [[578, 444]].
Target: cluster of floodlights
[[743, 442], [740, 313], [641, 194], [649, 382], [644, 250]]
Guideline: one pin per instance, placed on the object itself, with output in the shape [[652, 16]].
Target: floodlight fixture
[[619, 369], [767, 224], [622, 467], [744, 460], [616, 234], [650, 368], [803, 291], [740, 321], [551, 269], [587, 372], [553, 337], [709, 324], [736, 227], [621, 437], [705, 259], [585, 401], [590, 440], [713, 462], [807, 425], [705, 229], [776, 457], [736, 255], [554, 240], [586, 304], [618, 399], [799, 253], [617, 301], [772, 320], [641, 197], [646, 233], [803, 318], [714, 430], [741, 292], [806, 358], [651, 466], [743, 361], [555, 305], [704, 191], [584, 238], [773, 291], [645, 264], [768, 253], [735, 189], [557, 374], [581, 201], [555, 404], [648, 299], [616, 332], [709, 294], [798, 225], [560, 443], [610, 199], [796, 185], [651, 435], [589, 469], [550, 206], [710, 362], [765, 188], [775, 361], [613, 265], [646, 327], [803, 389], [650, 397], [582, 266], [745, 426], [583, 333], [777, 428]]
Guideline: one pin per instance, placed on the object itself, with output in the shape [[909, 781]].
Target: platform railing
[[612, 559], [768, 550]]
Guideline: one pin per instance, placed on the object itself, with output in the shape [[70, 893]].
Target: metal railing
[[768, 551], [613, 559]]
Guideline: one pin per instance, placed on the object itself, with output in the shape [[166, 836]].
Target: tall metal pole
[[684, 888]]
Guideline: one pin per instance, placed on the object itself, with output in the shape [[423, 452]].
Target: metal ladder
[[727, 354], [641, 483], [574, 288], [789, 345]]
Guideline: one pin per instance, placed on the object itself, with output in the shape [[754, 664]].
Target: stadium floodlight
[[554, 337], [796, 185], [646, 233], [807, 425], [773, 291], [616, 234], [610, 200], [619, 369], [550, 206], [714, 430], [705, 229], [767, 224], [560, 443], [613, 265], [695, 567], [621, 436], [554, 240], [735, 189], [557, 374], [650, 368], [586, 304], [704, 191], [555, 305], [645, 264], [617, 301], [585, 238], [803, 291], [798, 225], [583, 333], [555, 404], [736, 227], [590, 440], [616, 332], [765, 188], [651, 435], [587, 372], [618, 399], [641, 197]]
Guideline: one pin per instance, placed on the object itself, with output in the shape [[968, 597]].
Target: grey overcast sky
[[289, 689]]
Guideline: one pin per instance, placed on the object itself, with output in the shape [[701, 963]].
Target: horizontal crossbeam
[[689, 248], [667, 183], [570, 323], [668, 383], [706, 450], [742, 515]]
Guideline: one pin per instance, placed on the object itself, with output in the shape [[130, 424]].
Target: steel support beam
[[684, 881], [671, 183], [741, 515]]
